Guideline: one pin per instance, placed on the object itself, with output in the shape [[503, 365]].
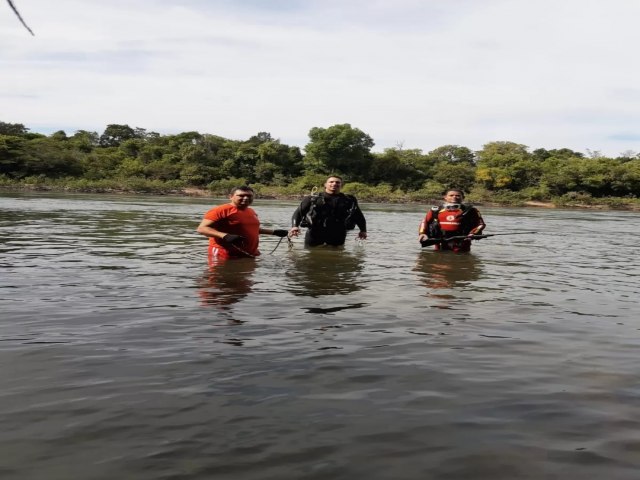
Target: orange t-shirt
[[229, 219]]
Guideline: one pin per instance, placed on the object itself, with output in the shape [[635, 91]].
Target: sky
[[416, 74]]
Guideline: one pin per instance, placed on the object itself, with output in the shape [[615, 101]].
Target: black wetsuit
[[328, 217]]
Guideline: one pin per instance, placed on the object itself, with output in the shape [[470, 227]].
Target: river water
[[124, 356]]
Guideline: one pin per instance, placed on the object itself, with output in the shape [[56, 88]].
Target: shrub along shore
[[132, 160], [363, 193]]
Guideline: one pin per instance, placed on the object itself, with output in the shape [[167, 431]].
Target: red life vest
[[450, 220]]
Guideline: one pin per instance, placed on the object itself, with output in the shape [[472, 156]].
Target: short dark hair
[[242, 188], [454, 189], [335, 176]]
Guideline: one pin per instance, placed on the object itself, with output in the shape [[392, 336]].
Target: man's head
[[453, 195], [241, 197], [333, 184]]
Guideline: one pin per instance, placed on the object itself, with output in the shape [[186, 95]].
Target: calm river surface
[[124, 357]]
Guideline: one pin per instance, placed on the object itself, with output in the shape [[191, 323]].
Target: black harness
[[326, 211]]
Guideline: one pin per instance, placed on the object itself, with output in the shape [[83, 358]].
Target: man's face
[[333, 185], [453, 196], [241, 199]]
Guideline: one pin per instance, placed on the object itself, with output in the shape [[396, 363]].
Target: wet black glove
[[430, 241], [232, 239], [280, 233]]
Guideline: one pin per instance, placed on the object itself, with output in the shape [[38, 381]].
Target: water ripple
[[126, 356]]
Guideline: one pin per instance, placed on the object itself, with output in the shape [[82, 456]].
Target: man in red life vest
[[451, 219], [233, 228]]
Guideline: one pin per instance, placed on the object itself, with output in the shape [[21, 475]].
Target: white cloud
[[426, 73]]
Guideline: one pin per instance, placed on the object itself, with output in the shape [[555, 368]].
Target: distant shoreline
[[204, 193], [199, 192]]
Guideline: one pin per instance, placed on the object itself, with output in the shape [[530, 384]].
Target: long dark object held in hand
[[433, 241]]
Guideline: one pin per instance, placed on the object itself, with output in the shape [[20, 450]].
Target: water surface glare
[[125, 356]]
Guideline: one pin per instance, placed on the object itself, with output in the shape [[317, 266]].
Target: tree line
[[127, 158]]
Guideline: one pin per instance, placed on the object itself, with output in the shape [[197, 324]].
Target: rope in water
[[244, 252]]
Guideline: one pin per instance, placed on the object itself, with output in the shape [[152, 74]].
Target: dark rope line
[[277, 245]]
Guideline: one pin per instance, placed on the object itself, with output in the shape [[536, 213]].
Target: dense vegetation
[[131, 159]]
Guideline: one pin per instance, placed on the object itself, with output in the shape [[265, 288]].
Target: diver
[[328, 216], [451, 219]]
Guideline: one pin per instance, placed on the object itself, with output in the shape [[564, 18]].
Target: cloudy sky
[[415, 73]]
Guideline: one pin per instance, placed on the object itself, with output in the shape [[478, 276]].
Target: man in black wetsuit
[[328, 216]]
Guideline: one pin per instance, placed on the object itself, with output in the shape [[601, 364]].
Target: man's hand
[[232, 239], [362, 235], [294, 232]]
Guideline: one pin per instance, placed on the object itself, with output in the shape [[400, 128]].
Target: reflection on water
[[324, 271], [439, 270], [125, 357], [330, 310], [226, 282]]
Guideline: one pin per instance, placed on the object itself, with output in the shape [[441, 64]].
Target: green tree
[[260, 138], [84, 141], [16, 129], [596, 176], [626, 178], [459, 175], [241, 164], [265, 172], [507, 165], [175, 142], [452, 154], [392, 167], [12, 155], [115, 134], [60, 136], [167, 168], [50, 157], [339, 149], [451, 165], [102, 163], [151, 152], [132, 147], [130, 167], [286, 159], [198, 174], [628, 155], [542, 154]]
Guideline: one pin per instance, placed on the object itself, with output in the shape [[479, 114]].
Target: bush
[[431, 192], [224, 186], [574, 199], [539, 194], [379, 193], [508, 197], [304, 185]]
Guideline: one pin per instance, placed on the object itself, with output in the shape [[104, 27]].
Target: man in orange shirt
[[233, 228]]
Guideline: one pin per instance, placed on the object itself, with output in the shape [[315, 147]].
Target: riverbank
[[575, 201], [198, 192]]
